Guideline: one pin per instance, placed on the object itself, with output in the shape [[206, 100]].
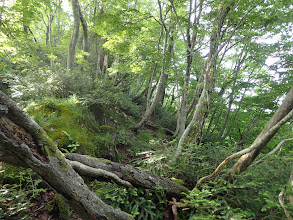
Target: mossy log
[[130, 174], [23, 142]]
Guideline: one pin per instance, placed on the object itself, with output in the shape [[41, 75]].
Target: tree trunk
[[209, 72], [235, 116], [197, 123], [290, 196], [162, 78], [215, 112], [287, 105], [23, 142], [232, 95], [74, 36], [85, 30], [182, 111], [259, 141]]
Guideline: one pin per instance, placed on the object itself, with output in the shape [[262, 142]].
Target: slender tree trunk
[[220, 95], [199, 105], [58, 31], [232, 95], [74, 37], [245, 160], [290, 196], [85, 31], [150, 110], [250, 126], [210, 71], [169, 54], [99, 59], [235, 116], [161, 82], [58, 22], [138, 85], [197, 123], [183, 110], [3, 3]]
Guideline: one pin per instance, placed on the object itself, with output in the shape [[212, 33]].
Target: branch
[[274, 150], [94, 172], [184, 38], [252, 147], [281, 201], [130, 174]]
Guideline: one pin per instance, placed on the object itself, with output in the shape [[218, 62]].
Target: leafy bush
[[114, 101], [19, 187], [141, 203], [198, 161], [253, 196], [261, 186], [35, 84], [210, 202], [164, 118]]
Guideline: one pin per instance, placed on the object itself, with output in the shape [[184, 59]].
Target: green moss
[[179, 181], [106, 128], [185, 190], [59, 208], [59, 115]]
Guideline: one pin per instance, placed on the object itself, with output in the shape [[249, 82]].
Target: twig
[[281, 201]]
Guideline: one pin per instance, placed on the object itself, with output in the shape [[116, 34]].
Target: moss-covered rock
[[68, 123]]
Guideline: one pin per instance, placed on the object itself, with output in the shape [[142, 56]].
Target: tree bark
[[182, 111], [274, 150], [74, 36], [58, 23], [162, 78], [130, 174], [209, 72], [199, 105], [287, 105], [23, 142], [85, 30], [200, 114]]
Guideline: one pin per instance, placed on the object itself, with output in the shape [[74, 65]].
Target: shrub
[[141, 203]]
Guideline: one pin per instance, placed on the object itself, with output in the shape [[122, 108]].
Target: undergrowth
[[253, 196], [18, 187], [141, 203]]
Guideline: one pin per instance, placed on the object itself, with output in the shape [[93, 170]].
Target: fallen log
[[23, 142], [130, 174]]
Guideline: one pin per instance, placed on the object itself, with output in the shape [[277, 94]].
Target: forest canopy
[[156, 109]]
